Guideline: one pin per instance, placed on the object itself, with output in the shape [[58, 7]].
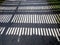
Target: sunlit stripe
[[0, 29], [39, 31], [3, 28], [31, 31], [5, 18], [56, 35], [28, 32], [34, 7], [52, 30], [33, 18], [23, 31], [20, 31], [29, 3], [57, 30], [7, 31], [47, 32], [17, 31], [36, 31], [44, 31], [10, 30], [7, 8]]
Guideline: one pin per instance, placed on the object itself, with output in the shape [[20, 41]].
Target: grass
[[54, 1], [56, 6], [1, 1]]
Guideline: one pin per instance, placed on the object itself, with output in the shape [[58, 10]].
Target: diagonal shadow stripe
[[3, 35], [11, 19]]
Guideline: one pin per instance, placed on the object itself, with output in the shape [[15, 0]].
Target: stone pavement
[[29, 22]]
